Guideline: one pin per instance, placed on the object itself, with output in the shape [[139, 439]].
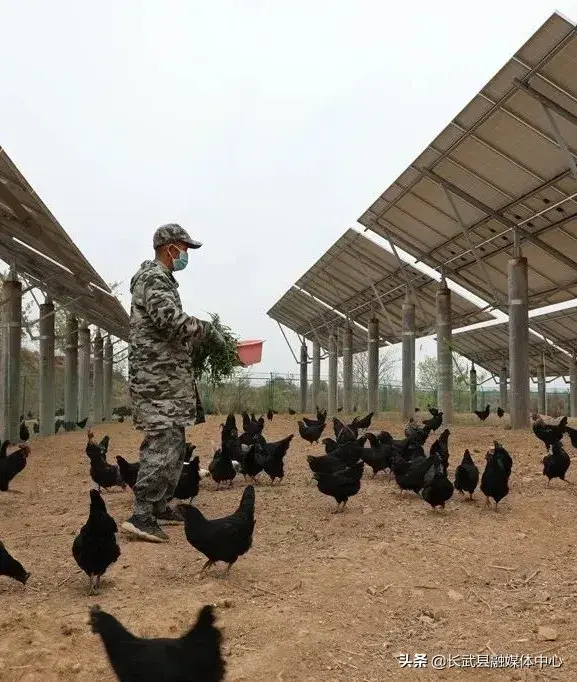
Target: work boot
[[169, 517], [144, 528]]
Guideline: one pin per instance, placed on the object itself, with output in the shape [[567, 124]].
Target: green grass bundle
[[213, 362]]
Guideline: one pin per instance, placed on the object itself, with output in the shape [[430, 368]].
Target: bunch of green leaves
[[213, 361]]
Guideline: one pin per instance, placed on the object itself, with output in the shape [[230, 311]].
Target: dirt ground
[[319, 596]]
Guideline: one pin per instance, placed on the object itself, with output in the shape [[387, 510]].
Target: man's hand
[[215, 335]]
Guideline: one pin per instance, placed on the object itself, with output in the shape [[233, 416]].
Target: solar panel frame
[[500, 164]]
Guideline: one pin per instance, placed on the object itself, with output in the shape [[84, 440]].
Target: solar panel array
[[506, 165], [33, 240]]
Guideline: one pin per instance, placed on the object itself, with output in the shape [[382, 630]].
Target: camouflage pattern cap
[[172, 233]]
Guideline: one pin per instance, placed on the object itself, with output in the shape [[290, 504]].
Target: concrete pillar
[[332, 399], [519, 404], [408, 357], [83, 372], [503, 389], [11, 316], [444, 353], [541, 389], [348, 370], [304, 383], [98, 378], [46, 387], [373, 366], [71, 373], [473, 387], [107, 384], [573, 386], [316, 387]]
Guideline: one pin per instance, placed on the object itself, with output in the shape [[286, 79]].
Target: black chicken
[[221, 468], [310, 433], [128, 470], [269, 414], [410, 475], [441, 447], [500, 412], [556, 463], [321, 415], [416, 434], [189, 482], [103, 474], [24, 432], [467, 475], [345, 433], [291, 411], [194, 657], [325, 464], [95, 547], [82, 423], [342, 484], [433, 411], [434, 422], [377, 456], [437, 489], [495, 478], [548, 433], [10, 567], [271, 457], [483, 414], [36, 427], [363, 422], [223, 539], [349, 452], [251, 465], [11, 465], [313, 422]]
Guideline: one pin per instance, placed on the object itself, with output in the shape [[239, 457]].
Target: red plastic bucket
[[249, 352]]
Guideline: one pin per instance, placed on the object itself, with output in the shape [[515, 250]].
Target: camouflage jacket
[[159, 367]]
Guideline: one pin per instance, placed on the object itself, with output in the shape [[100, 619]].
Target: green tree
[[428, 374]]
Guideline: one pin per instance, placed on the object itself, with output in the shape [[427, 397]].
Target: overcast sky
[[265, 128]]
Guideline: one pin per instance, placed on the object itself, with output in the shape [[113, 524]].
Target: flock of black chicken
[[338, 473]]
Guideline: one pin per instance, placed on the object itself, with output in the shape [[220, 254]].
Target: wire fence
[[259, 392]]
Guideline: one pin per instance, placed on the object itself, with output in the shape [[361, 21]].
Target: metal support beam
[[546, 101], [408, 357], [573, 384], [107, 387], [304, 384], [481, 264], [347, 370], [332, 398], [98, 374], [71, 372], [46, 384], [541, 388], [11, 317], [83, 372], [519, 343], [287, 342], [373, 366], [473, 388], [503, 398], [476, 203], [561, 141], [316, 379], [444, 352]]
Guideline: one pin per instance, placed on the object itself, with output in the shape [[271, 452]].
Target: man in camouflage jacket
[[160, 379]]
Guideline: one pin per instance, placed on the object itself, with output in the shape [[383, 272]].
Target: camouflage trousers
[[161, 460]]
